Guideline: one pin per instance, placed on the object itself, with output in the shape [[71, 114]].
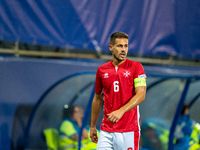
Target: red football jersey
[[118, 88]]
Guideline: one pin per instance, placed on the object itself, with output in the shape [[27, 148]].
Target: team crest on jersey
[[106, 75], [127, 73]]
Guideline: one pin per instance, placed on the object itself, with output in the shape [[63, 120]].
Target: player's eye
[[119, 45]]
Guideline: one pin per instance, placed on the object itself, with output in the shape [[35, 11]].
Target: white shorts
[[118, 141]]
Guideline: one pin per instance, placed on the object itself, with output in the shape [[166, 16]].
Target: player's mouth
[[122, 55]]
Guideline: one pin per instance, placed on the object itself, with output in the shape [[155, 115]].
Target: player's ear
[[110, 47]]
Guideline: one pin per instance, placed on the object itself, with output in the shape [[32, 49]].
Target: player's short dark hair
[[117, 35]]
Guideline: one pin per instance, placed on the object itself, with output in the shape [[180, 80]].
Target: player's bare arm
[[134, 101], [96, 108]]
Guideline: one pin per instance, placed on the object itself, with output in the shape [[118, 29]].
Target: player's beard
[[119, 59]]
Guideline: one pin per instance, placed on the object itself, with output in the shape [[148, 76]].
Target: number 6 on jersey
[[116, 86]]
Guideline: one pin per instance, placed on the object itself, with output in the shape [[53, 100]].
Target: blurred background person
[[70, 128], [187, 133]]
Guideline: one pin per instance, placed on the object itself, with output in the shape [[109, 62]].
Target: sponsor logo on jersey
[[142, 76], [106, 75], [127, 73]]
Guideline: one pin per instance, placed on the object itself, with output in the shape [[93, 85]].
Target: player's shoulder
[[132, 62], [105, 65]]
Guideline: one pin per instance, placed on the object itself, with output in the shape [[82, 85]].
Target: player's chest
[[120, 75]]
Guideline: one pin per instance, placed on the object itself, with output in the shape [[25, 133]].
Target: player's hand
[[115, 116], [93, 135]]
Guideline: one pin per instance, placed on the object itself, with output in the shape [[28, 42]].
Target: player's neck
[[116, 62]]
